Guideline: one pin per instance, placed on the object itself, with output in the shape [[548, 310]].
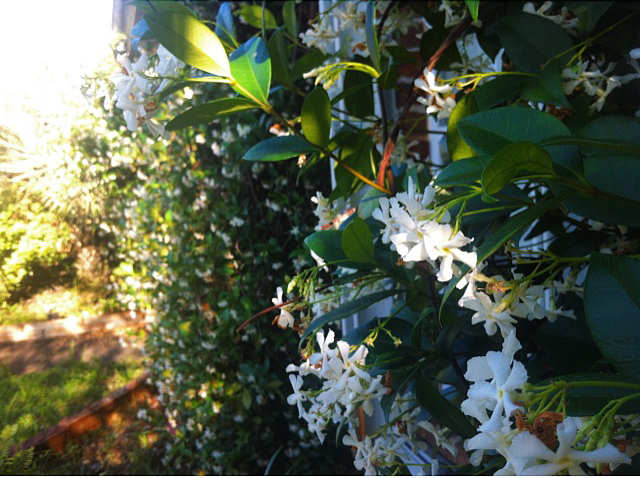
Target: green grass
[[39, 400], [78, 300]]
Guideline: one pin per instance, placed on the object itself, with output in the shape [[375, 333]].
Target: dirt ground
[[37, 355]]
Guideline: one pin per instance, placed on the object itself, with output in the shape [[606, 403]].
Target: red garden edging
[[91, 418]]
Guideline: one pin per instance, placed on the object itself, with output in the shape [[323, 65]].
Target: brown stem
[[391, 141], [383, 107], [274, 307]]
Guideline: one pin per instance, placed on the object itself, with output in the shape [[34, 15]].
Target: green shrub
[[35, 250]]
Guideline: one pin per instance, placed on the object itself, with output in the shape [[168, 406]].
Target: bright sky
[[47, 46]]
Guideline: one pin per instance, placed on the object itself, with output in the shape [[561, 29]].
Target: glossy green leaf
[[279, 148], [207, 112], [593, 145], [357, 93], [489, 131], [458, 148], [347, 310], [290, 18], [547, 87], [327, 245], [430, 398], [251, 69], [531, 40], [150, 6], [512, 160], [253, 14], [190, 41], [370, 202], [370, 34], [473, 6], [279, 58], [499, 90], [316, 117], [225, 28], [612, 308], [588, 12], [357, 241], [500, 236], [465, 171]]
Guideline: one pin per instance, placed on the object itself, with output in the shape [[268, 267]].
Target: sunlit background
[[48, 46]]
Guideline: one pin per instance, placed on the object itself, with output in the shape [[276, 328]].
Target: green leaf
[[588, 12], [370, 34], [547, 87], [251, 69], [225, 28], [279, 58], [489, 131], [473, 6], [149, 6], [499, 90], [612, 309], [347, 310], [190, 41], [357, 241], [442, 409], [457, 147], [586, 145], [370, 202], [464, 171], [531, 40], [327, 245], [358, 93], [279, 148], [252, 14], [207, 112], [512, 160], [506, 231], [316, 117], [289, 17]]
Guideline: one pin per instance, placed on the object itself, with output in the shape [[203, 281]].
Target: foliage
[[539, 193], [34, 250]]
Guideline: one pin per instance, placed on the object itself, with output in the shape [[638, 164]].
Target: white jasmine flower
[[492, 314], [297, 397], [505, 375], [565, 458], [285, 319]]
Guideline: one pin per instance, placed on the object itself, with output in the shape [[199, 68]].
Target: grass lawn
[[39, 400], [61, 301]]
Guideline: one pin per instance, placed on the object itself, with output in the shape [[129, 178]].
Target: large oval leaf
[[458, 149], [279, 148], [465, 171], [510, 161], [489, 131], [612, 309], [532, 40], [255, 15], [316, 117], [251, 69], [206, 113], [357, 241], [225, 28], [190, 41]]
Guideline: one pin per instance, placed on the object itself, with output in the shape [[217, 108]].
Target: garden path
[[37, 355]]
